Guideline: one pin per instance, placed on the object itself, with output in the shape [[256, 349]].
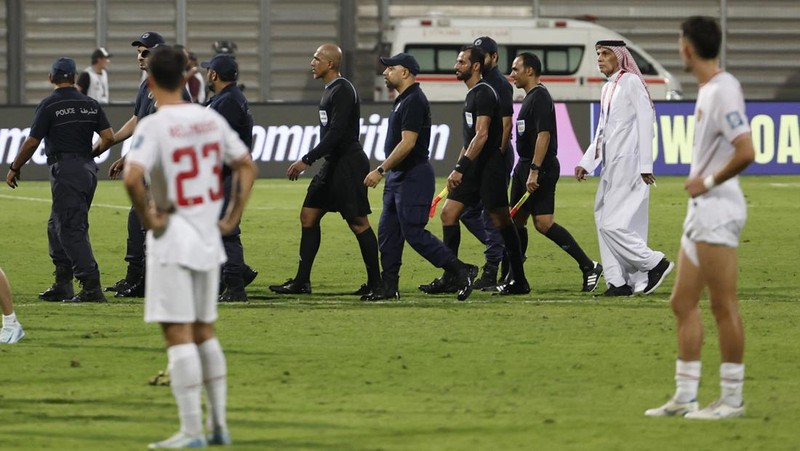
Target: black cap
[[62, 68], [224, 65], [486, 43], [149, 39], [402, 59], [610, 43], [100, 52]]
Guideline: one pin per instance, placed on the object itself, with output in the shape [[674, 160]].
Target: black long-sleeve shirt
[[339, 119]]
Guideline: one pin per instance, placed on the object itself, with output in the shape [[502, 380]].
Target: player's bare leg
[[12, 331], [719, 267], [685, 302]]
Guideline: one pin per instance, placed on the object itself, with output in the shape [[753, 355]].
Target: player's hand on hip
[[533, 181], [296, 169], [116, 168], [158, 221], [226, 225], [580, 173], [695, 187], [373, 179], [11, 178], [649, 179], [454, 179]]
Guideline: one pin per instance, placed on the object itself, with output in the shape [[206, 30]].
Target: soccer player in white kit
[[624, 143], [180, 151], [722, 149]]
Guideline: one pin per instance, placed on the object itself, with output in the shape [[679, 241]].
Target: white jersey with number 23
[[182, 148]]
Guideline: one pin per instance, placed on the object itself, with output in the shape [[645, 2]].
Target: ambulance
[[565, 47]]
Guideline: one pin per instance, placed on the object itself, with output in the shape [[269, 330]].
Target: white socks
[[10, 320], [687, 378], [185, 373], [215, 372], [731, 380]]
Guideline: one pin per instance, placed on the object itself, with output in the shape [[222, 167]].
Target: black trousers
[[73, 181]]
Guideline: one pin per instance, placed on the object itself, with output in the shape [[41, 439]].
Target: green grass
[[553, 370]]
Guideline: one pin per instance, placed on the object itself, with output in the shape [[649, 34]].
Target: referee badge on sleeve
[[468, 118], [323, 117], [521, 126]]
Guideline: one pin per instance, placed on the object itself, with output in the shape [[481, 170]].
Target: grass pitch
[[554, 370]]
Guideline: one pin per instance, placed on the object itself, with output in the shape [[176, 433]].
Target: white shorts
[[176, 294], [724, 235]]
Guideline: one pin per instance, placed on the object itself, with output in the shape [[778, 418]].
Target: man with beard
[[409, 185]]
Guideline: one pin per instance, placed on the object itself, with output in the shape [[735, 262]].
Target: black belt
[[52, 159]]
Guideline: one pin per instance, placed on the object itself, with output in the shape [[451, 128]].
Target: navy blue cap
[[402, 59], [223, 64], [63, 68], [486, 43], [149, 39]]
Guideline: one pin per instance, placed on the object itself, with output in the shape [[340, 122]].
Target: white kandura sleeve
[[645, 117]]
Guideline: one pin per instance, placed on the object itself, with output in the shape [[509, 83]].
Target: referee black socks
[[564, 239], [451, 235], [309, 245], [369, 252]]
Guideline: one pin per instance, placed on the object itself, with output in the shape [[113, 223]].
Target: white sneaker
[[717, 410], [10, 335], [180, 440], [673, 408]]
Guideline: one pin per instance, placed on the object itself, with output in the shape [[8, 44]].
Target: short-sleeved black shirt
[[537, 114], [67, 120], [482, 100], [231, 104], [411, 112], [339, 119], [504, 90], [146, 104]]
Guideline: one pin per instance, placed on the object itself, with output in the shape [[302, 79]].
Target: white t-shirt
[[98, 85], [719, 119], [182, 148]]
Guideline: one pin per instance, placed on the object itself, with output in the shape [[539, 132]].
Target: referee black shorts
[[486, 183], [339, 186], [543, 200]]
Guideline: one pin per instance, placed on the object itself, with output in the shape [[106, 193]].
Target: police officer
[[480, 175], [338, 184], [230, 102], [410, 184], [132, 285], [67, 121], [538, 169]]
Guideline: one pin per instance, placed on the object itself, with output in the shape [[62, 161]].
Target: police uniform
[[66, 120], [537, 114], [408, 191], [485, 182], [338, 184], [232, 105]]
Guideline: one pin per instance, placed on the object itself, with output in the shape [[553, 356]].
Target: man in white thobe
[[624, 144]]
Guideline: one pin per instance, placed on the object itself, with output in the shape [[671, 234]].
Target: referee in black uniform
[[132, 285], [479, 175], [230, 103], [538, 169], [338, 184], [409, 184], [67, 121]]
